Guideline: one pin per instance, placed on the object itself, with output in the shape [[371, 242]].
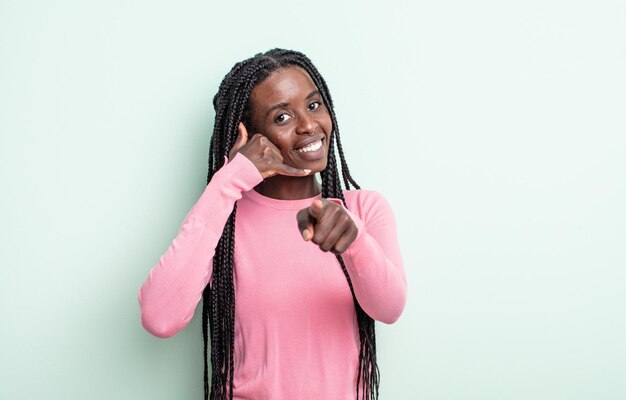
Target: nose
[[306, 124]]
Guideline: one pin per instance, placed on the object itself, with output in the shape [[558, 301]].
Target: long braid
[[368, 375], [231, 105], [219, 296]]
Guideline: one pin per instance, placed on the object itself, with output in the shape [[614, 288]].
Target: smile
[[310, 147]]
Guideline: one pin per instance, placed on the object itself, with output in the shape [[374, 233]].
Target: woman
[[292, 272]]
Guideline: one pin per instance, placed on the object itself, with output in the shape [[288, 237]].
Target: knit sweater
[[296, 333]]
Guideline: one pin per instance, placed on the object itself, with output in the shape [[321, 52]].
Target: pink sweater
[[296, 334]]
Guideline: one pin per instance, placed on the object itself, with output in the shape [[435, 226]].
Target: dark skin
[[291, 144]]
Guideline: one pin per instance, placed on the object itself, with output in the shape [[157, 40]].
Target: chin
[[317, 166]]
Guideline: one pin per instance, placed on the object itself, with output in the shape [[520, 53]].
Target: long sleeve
[[373, 260], [174, 287]]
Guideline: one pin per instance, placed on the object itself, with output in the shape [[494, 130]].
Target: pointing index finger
[[317, 208]]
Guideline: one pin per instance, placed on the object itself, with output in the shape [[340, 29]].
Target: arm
[[171, 293], [367, 240], [174, 287], [374, 262]]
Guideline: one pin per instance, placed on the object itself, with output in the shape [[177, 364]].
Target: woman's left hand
[[328, 225]]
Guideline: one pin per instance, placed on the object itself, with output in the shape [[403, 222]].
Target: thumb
[[242, 139], [305, 224]]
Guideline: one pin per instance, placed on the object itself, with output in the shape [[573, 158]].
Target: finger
[[344, 242], [333, 236], [284, 169], [305, 224], [267, 151], [332, 226], [243, 133], [328, 219], [242, 139], [277, 155], [317, 208], [257, 136]]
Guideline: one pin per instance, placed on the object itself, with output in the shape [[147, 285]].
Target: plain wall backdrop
[[496, 130]]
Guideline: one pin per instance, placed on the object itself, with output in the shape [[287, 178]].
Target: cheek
[[327, 123], [281, 141]]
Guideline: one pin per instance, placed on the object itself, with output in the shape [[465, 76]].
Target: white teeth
[[311, 147]]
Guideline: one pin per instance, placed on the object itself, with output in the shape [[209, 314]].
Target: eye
[[315, 105], [280, 118]]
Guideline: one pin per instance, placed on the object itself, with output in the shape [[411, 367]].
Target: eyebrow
[[280, 105], [313, 93]]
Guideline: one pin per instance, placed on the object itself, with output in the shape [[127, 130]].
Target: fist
[[328, 225]]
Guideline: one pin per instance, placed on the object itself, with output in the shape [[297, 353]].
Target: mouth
[[311, 149]]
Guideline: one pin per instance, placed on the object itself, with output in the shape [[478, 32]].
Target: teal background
[[496, 130]]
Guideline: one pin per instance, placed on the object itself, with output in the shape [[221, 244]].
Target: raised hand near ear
[[264, 154], [328, 225]]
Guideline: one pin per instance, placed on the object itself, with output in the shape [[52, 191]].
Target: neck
[[283, 187]]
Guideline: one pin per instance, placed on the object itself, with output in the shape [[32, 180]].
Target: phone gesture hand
[[264, 155]]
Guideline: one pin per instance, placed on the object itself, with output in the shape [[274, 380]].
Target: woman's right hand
[[264, 155]]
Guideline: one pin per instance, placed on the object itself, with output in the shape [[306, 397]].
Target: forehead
[[283, 86]]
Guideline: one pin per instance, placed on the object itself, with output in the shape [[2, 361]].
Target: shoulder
[[362, 196], [366, 203]]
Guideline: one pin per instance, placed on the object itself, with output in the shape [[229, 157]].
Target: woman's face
[[287, 108]]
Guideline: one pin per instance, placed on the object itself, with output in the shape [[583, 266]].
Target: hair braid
[[232, 105], [368, 375]]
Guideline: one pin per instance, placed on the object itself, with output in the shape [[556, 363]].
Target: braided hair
[[232, 105]]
